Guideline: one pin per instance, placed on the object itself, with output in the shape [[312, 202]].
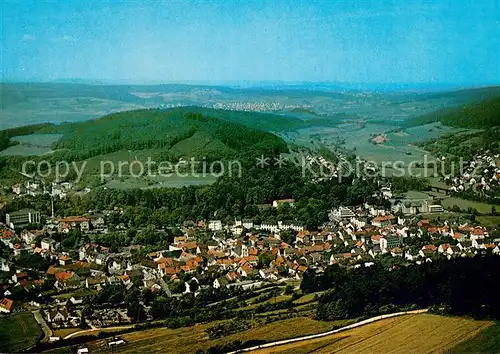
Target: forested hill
[[177, 132], [480, 115]]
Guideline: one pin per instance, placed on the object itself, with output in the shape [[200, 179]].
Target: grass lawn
[[254, 303], [489, 221], [416, 195], [307, 298], [78, 293], [406, 334], [18, 332], [483, 208]]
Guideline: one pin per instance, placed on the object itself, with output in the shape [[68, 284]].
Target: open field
[[31, 145], [489, 221], [307, 298], [253, 303], [78, 332], [41, 140], [159, 182], [448, 202], [406, 334], [63, 332], [482, 208], [18, 332], [192, 339]]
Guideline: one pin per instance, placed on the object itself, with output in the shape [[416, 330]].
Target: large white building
[[22, 217], [341, 213], [215, 225]]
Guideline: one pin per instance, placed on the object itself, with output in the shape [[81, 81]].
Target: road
[[97, 329], [45, 328], [319, 335]]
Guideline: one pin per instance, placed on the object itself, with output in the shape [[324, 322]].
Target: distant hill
[[179, 132], [479, 115], [15, 93]]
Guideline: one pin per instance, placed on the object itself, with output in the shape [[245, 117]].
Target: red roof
[[63, 276], [429, 247], [6, 233], [171, 270], [383, 218], [478, 231], [73, 219], [6, 303], [457, 235], [188, 245], [302, 268]]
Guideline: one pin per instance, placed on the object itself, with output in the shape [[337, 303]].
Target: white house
[[215, 225]]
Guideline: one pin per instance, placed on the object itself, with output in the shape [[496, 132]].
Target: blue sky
[[432, 42]]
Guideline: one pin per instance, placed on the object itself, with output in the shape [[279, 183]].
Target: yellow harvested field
[[63, 332], [192, 339], [405, 334]]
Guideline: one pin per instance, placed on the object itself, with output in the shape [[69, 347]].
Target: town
[[42, 272]]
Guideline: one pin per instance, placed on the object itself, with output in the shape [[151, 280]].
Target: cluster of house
[[38, 187], [480, 174], [242, 253]]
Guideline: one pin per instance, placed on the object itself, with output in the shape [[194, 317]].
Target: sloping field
[[192, 339], [406, 334], [18, 332], [487, 341]]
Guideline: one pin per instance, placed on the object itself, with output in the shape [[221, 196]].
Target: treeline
[[227, 198], [5, 141], [465, 286], [481, 115], [405, 184]]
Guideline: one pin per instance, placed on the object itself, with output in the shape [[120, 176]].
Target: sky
[[422, 42]]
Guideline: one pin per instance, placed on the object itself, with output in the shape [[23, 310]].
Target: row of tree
[[466, 286], [226, 199]]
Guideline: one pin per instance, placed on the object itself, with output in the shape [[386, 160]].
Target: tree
[[275, 293], [288, 290]]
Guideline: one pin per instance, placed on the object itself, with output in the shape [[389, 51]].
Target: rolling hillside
[[479, 115], [155, 134], [406, 334], [178, 131]]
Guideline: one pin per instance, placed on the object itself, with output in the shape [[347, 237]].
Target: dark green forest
[[467, 286], [227, 198], [164, 129], [479, 115], [167, 135], [464, 144]]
